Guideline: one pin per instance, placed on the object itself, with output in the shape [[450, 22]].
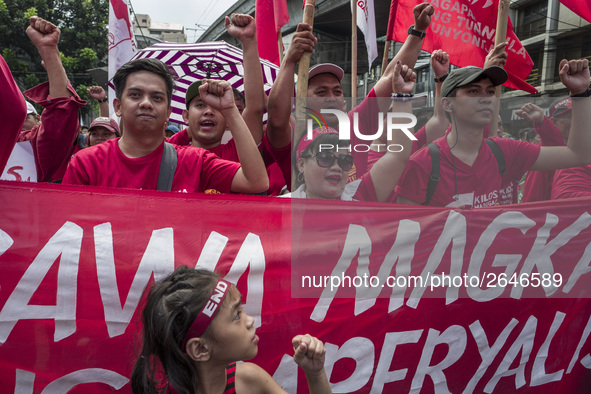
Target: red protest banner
[[466, 30], [581, 8], [270, 15], [74, 262]]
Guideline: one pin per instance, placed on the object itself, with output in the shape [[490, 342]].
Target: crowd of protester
[[538, 162], [259, 159]]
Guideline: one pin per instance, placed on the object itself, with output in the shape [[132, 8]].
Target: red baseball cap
[[326, 68], [305, 141], [107, 123], [560, 107]]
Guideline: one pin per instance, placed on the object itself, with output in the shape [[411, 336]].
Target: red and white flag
[[122, 46], [465, 29], [366, 21], [581, 8], [270, 16]]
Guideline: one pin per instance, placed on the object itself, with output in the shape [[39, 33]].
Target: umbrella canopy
[[192, 62]]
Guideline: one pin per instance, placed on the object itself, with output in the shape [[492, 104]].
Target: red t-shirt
[[478, 185], [278, 164], [198, 170], [181, 138], [572, 182], [223, 151], [228, 152], [421, 141]]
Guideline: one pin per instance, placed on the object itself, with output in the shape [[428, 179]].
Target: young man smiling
[[144, 90], [470, 175]]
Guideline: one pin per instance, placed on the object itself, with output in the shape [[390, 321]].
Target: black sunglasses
[[326, 159]]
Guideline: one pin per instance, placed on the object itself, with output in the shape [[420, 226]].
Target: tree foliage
[[83, 43]]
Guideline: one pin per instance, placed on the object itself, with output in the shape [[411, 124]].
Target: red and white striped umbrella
[[192, 62]]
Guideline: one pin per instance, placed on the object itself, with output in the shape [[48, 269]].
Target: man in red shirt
[[206, 125], [49, 143], [469, 172], [144, 91]]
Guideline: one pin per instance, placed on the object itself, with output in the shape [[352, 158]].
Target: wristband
[[441, 78], [402, 96], [420, 34], [103, 100], [586, 93]]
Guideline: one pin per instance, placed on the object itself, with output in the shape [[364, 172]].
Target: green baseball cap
[[192, 92], [465, 75]]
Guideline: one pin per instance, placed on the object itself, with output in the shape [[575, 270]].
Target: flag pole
[[389, 33], [304, 63], [385, 57], [302, 86], [354, 52], [280, 45], [500, 36]]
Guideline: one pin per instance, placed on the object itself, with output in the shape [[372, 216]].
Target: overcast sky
[[186, 12]]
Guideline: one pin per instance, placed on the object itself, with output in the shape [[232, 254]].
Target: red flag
[[467, 32], [270, 15], [391, 18], [581, 8]]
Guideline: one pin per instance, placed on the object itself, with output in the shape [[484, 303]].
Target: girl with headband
[[194, 331]]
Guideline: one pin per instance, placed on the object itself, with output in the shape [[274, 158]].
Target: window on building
[[531, 19], [536, 52]]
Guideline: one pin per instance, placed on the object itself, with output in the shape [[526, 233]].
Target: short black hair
[[154, 66], [239, 96]]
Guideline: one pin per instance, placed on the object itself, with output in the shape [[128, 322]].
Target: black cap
[[192, 92], [463, 76]]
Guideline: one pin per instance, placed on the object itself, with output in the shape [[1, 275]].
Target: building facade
[[148, 32], [548, 30]]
